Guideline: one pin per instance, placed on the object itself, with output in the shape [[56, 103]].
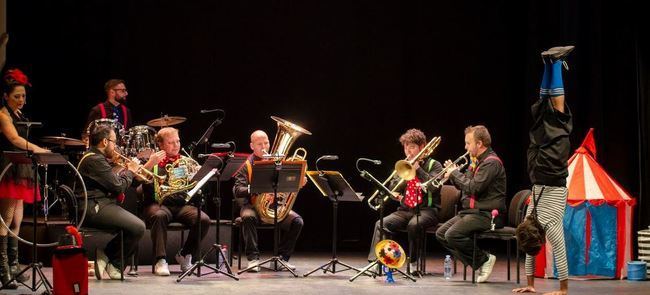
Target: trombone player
[[105, 193], [419, 206]]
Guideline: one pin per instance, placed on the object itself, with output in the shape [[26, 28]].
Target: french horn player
[[164, 200], [289, 222], [418, 208]]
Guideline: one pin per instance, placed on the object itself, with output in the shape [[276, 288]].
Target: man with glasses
[[113, 107], [105, 190]]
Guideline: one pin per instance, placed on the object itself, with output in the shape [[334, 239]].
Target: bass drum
[[114, 124]]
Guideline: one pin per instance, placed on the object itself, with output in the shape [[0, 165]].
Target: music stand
[[383, 192], [274, 176], [209, 172], [234, 162], [332, 185], [28, 157]]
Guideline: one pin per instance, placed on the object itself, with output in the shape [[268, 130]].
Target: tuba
[[179, 178], [404, 165], [284, 137]]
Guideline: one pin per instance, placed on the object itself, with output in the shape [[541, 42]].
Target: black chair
[[236, 223], [449, 197], [516, 213]]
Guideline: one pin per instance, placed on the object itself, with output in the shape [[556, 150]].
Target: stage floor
[[269, 282]]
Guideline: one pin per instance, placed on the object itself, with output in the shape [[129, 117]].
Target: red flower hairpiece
[[16, 76]]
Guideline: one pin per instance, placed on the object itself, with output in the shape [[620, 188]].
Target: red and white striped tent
[[597, 221]]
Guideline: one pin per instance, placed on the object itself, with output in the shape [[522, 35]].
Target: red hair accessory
[[16, 76]]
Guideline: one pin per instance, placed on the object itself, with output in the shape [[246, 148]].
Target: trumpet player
[[291, 225], [105, 193], [158, 215], [419, 206], [483, 188]]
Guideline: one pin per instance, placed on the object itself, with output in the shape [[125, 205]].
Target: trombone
[[437, 181], [142, 172], [423, 154]]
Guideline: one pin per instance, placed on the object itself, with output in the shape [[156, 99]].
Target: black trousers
[[105, 214], [290, 227], [456, 235], [158, 217], [405, 219]]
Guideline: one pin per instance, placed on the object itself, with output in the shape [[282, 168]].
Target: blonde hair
[[165, 132]]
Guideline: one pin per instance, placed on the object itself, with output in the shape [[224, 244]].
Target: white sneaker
[[486, 269], [113, 272], [184, 261], [289, 265], [254, 263], [101, 260], [161, 268]]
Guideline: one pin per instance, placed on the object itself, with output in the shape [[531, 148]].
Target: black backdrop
[[355, 73]]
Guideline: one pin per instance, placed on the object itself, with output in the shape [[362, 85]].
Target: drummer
[[113, 107]]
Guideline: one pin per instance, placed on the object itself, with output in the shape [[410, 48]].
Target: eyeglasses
[[120, 89]]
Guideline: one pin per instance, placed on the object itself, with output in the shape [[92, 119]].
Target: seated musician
[[412, 198], [161, 208], [112, 108], [105, 193], [291, 225], [483, 186]]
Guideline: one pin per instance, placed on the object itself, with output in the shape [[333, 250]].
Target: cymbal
[[165, 121], [60, 140]]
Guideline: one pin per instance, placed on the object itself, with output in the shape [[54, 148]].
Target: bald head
[[259, 143]]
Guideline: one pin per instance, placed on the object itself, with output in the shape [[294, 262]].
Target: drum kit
[[136, 142]]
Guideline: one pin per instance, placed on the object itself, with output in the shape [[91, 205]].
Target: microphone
[[221, 145], [328, 157], [376, 162], [325, 157], [212, 111]]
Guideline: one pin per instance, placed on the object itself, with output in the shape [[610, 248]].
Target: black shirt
[[548, 152], [240, 188], [98, 175], [112, 112], [486, 182], [430, 198]]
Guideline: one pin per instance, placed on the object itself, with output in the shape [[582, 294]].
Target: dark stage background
[[355, 73]]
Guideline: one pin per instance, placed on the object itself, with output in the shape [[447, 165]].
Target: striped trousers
[[550, 213]]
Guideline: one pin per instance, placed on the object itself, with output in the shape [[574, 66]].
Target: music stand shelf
[[273, 177], [333, 185]]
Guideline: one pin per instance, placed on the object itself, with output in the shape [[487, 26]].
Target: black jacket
[[431, 198], [98, 175], [240, 188], [548, 152], [487, 182]]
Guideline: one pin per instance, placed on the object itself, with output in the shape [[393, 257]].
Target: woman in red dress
[[17, 184]]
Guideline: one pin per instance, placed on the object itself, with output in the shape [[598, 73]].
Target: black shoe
[[5, 273], [557, 53], [14, 266]]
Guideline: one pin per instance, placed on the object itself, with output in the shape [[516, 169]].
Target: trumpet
[[142, 172], [423, 154], [437, 181]]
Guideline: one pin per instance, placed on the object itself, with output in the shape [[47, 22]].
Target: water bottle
[[447, 271]]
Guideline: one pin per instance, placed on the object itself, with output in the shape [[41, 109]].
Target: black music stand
[[274, 176], [209, 172], [28, 157], [233, 163], [383, 192], [332, 185]]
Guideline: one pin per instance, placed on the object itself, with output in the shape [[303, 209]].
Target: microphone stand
[[383, 191], [206, 135]]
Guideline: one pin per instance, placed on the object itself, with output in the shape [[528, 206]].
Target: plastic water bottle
[[447, 271]]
